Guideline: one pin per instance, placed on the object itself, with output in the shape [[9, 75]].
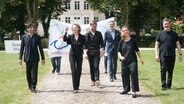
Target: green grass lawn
[[13, 84], [149, 75]]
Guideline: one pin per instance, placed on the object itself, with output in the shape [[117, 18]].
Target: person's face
[[166, 25], [75, 29], [125, 32], [93, 27], [111, 25], [31, 29]]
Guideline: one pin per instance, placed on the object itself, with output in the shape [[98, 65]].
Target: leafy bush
[[45, 42], [179, 28], [2, 46], [149, 41]]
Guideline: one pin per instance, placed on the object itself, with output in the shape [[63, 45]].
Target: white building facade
[[78, 11]]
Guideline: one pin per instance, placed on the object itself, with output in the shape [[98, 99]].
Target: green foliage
[[149, 41], [179, 28], [2, 46], [45, 42]]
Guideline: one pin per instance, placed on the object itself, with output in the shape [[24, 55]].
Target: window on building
[[77, 18], [96, 19], [67, 19], [67, 5], [86, 5], [77, 5], [86, 20]]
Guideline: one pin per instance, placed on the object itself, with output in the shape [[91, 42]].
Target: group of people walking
[[93, 46]]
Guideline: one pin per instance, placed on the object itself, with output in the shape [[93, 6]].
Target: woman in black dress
[[128, 52], [77, 41]]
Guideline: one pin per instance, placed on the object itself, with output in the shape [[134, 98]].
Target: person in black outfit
[[127, 51], [166, 43], [30, 44], [94, 48], [77, 42]]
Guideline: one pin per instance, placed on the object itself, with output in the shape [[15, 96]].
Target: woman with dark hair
[[77, 41], [127, 52]]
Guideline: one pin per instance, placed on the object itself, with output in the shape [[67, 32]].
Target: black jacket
[[29, 47]]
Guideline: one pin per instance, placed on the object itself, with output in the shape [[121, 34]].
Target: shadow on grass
[[179, 88]]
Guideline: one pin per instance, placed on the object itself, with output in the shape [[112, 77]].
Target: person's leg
[[58, 64], [28, 73], [53, 61], [105, 63], [72, 60], [134, 77], [91, 64], [34, 74], [79, 69], [125, 79], [110, 67], [164, 66], [171, 63], [96, 62], [115, 65]]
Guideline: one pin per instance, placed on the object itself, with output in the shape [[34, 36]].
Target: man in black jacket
[[94, 48], [30, 44]]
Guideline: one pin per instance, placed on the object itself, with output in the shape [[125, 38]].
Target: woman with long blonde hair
[[127, 53]]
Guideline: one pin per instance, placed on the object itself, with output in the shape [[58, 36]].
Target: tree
[[50, 9]]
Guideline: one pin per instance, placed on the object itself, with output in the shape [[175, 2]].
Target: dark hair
[[166, 19], [93, 23], [28, 25], [77, 26]]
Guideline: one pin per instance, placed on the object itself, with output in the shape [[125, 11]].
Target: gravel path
[[57, 89]]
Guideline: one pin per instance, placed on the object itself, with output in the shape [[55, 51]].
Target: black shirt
[[76, 45], [94, 42], [127, 50], [167, 41], [29, 47]]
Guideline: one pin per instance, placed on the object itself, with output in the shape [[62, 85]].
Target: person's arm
[[41, 51], [22, 46], [120, 56], [139, 55], [179, 51], [102, 45], [157, 51]]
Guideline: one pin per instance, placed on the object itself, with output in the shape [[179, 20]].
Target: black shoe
[[33, 90], [124, 92], [105, 72], [53, 71], [111, 80], [134, 96], [115, 78]]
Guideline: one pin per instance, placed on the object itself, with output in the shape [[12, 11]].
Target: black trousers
[[76, 69], [94, 61], [112, 65], [32, 73], [56, 64], [167, 66], [127, 72]]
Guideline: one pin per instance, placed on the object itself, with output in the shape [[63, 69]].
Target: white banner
[[12, 46], [57, 29]]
